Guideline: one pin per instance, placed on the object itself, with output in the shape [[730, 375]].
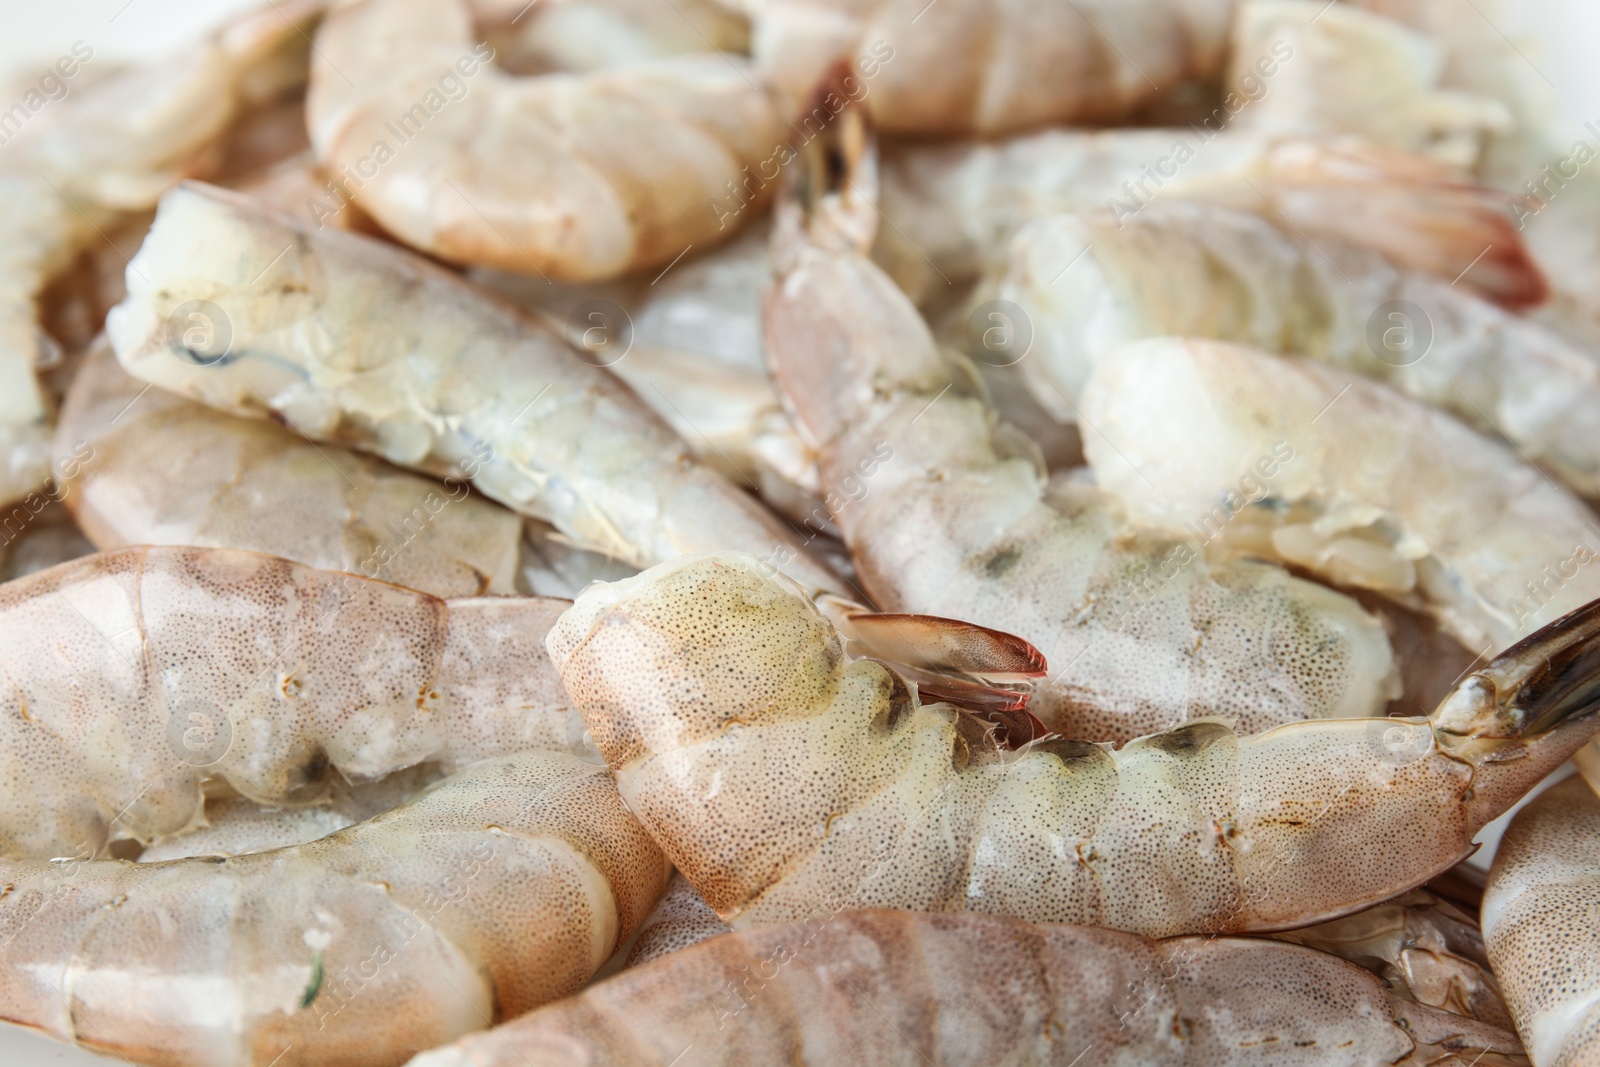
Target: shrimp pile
[[773, 531]]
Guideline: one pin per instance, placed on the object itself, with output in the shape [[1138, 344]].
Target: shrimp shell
[[681, 918], [990, 66], [133, 677], [167, 471], [892, 987], [496, 891], [952, 209], [713, 686], [1380, 492], [578, 177], [1538, 921], [358, 343], [1199, 270]]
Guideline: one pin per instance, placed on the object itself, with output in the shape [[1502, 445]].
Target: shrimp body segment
[[1194, 270], [133, 677], [907, 989], [948, 513], [1538, 921], [1039, 64], [499, 889], [713, 686], [577, 177], [1382, 492], [168, 471], [355, 342]]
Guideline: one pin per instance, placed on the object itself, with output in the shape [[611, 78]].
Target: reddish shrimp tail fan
[[1415, 210], [977, 669]]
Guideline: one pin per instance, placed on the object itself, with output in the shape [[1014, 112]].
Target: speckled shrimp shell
[[1424, 949], [881, 988], [107, 148], [1382, 491], [130, 678], [356, 342], [713, 687], [1194, 270], [681, 918], [161, 470], [1538, 922], [500, 889], [990, 66], [572, 176], [947, 514]]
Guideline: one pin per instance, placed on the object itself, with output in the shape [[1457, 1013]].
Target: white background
[[1559, 37]]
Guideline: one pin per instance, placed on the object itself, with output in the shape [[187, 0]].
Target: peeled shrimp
[[1382, 492], [501, 888], [951, 209], [714, 688], [947, 513], [572, 176], [689, 343], [1538, 921], [585, 35], [167, 471], [355, 342], [108, 147], [133, 677], [892, 987], [1354, 72], [1190, 269], [981, 67]]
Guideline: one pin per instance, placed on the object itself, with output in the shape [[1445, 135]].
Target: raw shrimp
[[586, 35], [779, 774], [573, 176], [499, 889], [161, 470], [681, 918], [1198, 270], [1424, 949], [987, 67], [893, 987], [1354, 72], [1381, 492], [1538, 921], [108, 148], [356, 342], [948, 513], [689, 343], [133, 677], [951, 209]]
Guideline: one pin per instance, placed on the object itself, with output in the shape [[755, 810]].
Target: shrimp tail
[[1418, 212], [1526, 713], [1541, 682]]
